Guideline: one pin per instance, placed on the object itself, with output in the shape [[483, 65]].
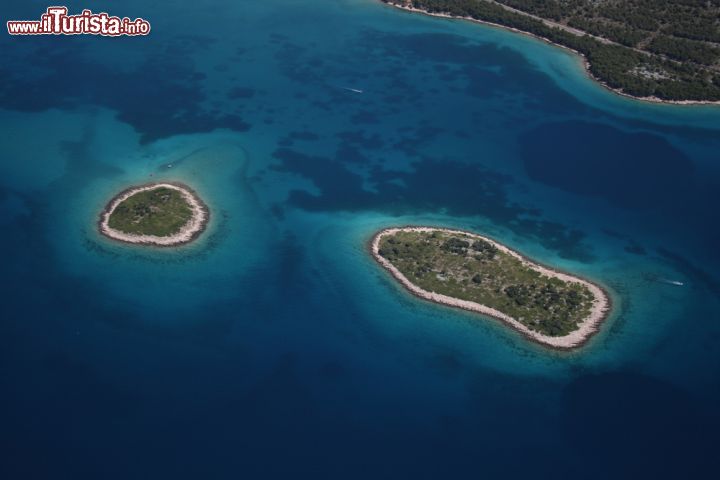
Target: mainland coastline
[[583, 59], [601, 305], [190, 231]]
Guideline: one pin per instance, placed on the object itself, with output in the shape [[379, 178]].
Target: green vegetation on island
[[160, 212], [669, 49], [466, 267]]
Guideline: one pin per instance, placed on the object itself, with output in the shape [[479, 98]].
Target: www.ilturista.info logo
[[56, 21]]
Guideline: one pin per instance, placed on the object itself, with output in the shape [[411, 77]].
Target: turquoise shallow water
[[274, 346]]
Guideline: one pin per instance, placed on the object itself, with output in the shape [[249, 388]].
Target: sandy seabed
[[600, 308]]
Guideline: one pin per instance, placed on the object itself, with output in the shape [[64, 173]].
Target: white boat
[[355, 90]]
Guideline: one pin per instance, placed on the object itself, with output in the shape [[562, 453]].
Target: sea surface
[[274, 346]]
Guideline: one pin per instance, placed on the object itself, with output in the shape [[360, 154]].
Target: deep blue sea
[[274, 347]]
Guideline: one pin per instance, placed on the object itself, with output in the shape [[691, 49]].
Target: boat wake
[[666, 281]]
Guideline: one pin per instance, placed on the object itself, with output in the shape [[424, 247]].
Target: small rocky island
[[160, 214], [476, 273]]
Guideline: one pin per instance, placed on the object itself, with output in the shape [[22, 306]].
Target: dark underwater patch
[[442, 48], [348, 153], [360, 139], [365, 117], [455, 188], [635, 249], [304, 135], [241, 92], [631, 170], [412, 140], [161, 98], [486, 69]]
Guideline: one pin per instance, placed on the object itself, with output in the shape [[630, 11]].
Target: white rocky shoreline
[[600, 308], [583, 58], [189, 232]]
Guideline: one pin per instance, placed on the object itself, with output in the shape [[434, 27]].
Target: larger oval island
[[159, 214], [476, 273]]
